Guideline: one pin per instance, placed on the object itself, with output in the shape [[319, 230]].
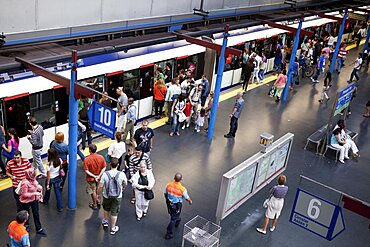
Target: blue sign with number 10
[[102, 119]]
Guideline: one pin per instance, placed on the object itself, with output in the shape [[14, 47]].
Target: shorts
[[368, 103], [112, 205], [91, 187]]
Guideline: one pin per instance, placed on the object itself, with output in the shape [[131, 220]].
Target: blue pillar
[[339, 40], [292, 60], [216, 95], [72, 142], [367, 39]]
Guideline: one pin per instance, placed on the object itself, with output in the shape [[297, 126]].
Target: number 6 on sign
[[105, 116], [313, 211]]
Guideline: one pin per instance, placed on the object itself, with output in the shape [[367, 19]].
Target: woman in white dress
[[141, 181], [275, 204]]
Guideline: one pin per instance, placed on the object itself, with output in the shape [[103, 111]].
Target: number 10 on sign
[[102, 119]]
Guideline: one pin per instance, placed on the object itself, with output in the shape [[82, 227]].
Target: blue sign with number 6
[[102, 119]]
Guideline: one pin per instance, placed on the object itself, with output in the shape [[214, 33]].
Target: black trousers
[[158, 107], [35, 213], [174, 210], [17, 202], [233, 126]]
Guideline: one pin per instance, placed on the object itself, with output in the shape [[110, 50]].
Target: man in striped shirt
[[341, 57], [36, 139], [16, 170]]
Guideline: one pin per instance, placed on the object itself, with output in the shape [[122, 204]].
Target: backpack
[[113, 188]]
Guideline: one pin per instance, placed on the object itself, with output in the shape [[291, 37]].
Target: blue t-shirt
[[321, 62], [25, 240]]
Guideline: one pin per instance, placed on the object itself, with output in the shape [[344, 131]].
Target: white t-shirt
[[54, 171], [117, 149], [121, 180]]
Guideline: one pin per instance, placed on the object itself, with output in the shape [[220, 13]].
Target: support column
[[216, 96], [292, 60], [72, 142], [339, 40]]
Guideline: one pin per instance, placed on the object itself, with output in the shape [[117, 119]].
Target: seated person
[[348, 140], [337, 142]]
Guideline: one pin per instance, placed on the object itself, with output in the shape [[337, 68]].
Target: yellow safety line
[[6, 183]]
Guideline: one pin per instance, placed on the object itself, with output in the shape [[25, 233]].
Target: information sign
[[344, 98], [102, 119], [317, 215]]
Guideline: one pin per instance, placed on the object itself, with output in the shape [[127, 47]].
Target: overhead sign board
[[344, 98], [246, 179], [317, 215], [102, 119]]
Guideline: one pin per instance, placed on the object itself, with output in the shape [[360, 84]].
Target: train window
[[146, 81], [96, 83], [131, 85], [167, 67], [16, 111], [193, 64], [43, 109], [115, 80]]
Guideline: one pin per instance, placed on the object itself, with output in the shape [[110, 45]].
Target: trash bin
[[201, 232]]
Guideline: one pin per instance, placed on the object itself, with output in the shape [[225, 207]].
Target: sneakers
[[41, 232], [144, 214], [272, 229], [167, 236], [260, 230], [356, 155], [104, 223], [114, 230], [320, 100], [346, 158], [138, 218], [183, 127], [341, 161]]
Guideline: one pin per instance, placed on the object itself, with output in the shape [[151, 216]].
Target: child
[[200, 119], [187, 112]]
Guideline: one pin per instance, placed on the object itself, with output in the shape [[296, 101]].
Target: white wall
[[30, 15]]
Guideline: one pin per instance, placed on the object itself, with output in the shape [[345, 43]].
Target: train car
[[24, 94]]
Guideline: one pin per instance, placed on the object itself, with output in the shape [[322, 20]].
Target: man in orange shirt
[[94, 166], [17, 231]]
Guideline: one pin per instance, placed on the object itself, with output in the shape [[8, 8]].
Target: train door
[[114, 80], [194, 65], [146, 90], [61, 105], [17, 110], [168, 69]]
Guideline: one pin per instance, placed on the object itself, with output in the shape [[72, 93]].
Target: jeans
[[203, 100], [36, 155], [303, 71], [82, 156], [261, 74], [175, 123], [339, 63], [2, 166], [34, 205], [54, 182], [17, 202], [233, 126], [85, 134], [174, 210], [169, 109], [318, 72], [354, 73]]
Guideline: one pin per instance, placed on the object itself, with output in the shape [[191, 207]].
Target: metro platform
[[202, 164]]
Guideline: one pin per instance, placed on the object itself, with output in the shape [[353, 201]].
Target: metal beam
[[210, 45], [326, 16], [285, 27], [359, 9], [65, 82]]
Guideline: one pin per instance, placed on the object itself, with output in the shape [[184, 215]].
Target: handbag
[[107, 158], [182, 117], [18, 189], [148, 194], [266, 202], [272, 92], [11, 154]]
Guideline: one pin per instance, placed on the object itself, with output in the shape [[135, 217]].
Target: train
[[25, 94]]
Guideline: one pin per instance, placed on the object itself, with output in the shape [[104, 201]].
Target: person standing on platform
[[121, 109], [113, 182], [62, 149], [94, 166], [194, 97], [131, 121], [205, 91], [143, 137], [159, 93], [3, 145], [16, 171], [275, 204], [117, 149], [208, 110], [175, 193], [106, 101], [84, 119], [172, 93], [342, 54], [278, 60], [302, 63], [13, 144], [327, 85], [280, 85], [19, 237], [36, 139], [356, 68], [319, 67], [235, 115]]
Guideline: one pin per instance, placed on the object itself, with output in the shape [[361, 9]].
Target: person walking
[[280, 85], [175, 193], [194, 98], [36, 139], [143, 137], [356, 68], [113, 182], [319, 67], [142, 181], [94, 166], [121, 109], [84, 119], [205, 91], [16, 171], [54, 178], [117, 149], [62, 150], [249, 68], [275, 204], [235, 115], [327, 85], [159, 92], [18, 235], [342, 54], [178, 108], [13, 144], [131, 121], [172, 93], [29, 195]]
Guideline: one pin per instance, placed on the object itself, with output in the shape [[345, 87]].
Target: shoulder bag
[[11, 154]]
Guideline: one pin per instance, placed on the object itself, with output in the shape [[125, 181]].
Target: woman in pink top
[[29, 195], [280, 85], [12, 143]]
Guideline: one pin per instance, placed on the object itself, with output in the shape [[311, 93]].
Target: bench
[[316, 137], [351, 134]]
